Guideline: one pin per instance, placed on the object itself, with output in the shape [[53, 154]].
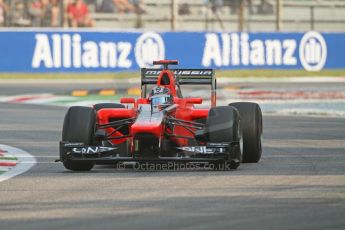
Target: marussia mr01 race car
[[162, 126]]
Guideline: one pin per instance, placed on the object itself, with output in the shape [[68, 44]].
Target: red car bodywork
[[184, 110]]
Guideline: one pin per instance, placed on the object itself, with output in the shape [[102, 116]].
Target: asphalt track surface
[[298, 184]]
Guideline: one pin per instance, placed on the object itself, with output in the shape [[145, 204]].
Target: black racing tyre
[[78, 126], [251, 123], [223, 125], [108, 106]]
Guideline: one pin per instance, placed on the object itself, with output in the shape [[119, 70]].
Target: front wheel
[[78, 126]]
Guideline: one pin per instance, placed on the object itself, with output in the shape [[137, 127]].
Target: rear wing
[[149, 76], [183, 76]]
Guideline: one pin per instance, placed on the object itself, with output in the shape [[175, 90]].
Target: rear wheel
[[251, 123], [223, 125], [79, 126], [122, 149]]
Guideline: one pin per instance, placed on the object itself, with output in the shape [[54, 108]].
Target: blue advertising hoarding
[[108, 51]]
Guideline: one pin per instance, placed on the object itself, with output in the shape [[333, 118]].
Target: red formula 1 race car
[[162, 126]]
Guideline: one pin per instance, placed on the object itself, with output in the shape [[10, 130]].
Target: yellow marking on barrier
[[232, 87], [107, 92], [134, 91], [79, 93]]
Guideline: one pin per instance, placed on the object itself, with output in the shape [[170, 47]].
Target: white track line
[[329, 79], [24, 163]]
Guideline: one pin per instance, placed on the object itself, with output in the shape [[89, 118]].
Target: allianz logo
[[72, 51], [149, 47], [313, 51], [236, 49]]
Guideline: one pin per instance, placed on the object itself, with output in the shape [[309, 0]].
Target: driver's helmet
[[161, 96]]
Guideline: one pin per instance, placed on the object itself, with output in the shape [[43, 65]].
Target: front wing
[[102, 154]]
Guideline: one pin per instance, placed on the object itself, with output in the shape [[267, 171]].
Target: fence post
[[241, 16], [312, 17], [207, 7], [174, 14], [62, 13], [279, 23]]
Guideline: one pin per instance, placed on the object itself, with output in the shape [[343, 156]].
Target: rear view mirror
[[194, 100], [127, 100]]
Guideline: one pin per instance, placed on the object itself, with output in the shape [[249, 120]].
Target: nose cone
[[148, 122]]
